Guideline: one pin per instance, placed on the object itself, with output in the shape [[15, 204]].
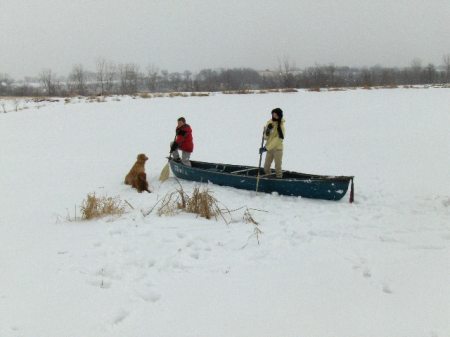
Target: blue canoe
[[246, 177]]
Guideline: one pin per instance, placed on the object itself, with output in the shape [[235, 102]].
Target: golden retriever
[[137, 177]]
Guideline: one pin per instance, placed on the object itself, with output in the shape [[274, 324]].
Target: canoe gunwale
[[292, 184], [305, 176]]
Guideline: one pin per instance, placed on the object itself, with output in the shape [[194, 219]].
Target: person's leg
[[278, 156], [185, 158], [268, 161], [175, 154]]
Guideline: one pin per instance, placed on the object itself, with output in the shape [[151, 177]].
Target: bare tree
[[446, 59], [101, 66], [77, 80], [430, 73], [416, 70], [286, 69], [152, 78], [330, 71], [187, 79], [48, 81], [5, 84], [128, 77]]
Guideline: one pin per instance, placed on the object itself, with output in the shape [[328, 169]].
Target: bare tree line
[[109, 78]]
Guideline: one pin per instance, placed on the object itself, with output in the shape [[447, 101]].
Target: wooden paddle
[[260, 159], [165, 172]]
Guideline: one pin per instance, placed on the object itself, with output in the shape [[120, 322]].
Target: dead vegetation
[[96, 207], [178, 94], [248, 218], [238, 92], [200, 202], [314, 89], [200, 94]]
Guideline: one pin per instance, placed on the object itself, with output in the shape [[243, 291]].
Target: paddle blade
[[165, 172]]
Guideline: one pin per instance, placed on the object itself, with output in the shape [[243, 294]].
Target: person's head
[[277, 114], [181, 121]]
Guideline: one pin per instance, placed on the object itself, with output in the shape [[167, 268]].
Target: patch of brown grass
[[145, 95], [200, 94], [96, 207], [200, 202], [314, 89], [178, 94], [239, 92]]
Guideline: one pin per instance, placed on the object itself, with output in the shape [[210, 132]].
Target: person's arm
[[269, 128]]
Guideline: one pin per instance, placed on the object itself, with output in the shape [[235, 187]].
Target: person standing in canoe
[[274, 136], [183, 141]]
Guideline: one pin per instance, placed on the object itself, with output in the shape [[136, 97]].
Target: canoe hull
[[293, 184]]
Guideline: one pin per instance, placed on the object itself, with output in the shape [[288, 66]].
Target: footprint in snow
[[386, 289], [148, 295], [367, 273], [194, 255], [120, 316]]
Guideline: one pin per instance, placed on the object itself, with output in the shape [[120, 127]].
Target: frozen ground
[[378, 267]]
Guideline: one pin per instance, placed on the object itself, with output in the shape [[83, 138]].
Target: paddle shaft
[[260, 159]]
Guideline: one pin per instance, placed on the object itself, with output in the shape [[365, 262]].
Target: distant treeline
[[109, 78]]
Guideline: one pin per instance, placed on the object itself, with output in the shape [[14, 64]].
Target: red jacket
[[184, 138]]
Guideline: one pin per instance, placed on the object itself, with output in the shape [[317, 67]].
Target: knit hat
[[279, 112]]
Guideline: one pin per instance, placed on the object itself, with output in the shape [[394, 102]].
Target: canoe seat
[[242, 171]]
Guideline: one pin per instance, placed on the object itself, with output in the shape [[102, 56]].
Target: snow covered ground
[[378, 267]]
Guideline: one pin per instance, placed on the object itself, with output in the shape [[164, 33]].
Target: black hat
[[279, 112]]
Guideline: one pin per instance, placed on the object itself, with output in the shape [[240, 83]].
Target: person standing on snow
[[274, 136], [183, 141]]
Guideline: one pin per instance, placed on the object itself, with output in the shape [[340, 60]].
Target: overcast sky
[[179, 35]]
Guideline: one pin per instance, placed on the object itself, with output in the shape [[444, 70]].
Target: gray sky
[[180, 35]]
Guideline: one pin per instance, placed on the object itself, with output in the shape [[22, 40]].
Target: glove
[[181, 132], [262, 150], [173, 147]]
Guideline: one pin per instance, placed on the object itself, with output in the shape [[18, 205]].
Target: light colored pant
[[184, 156], [272, 155]]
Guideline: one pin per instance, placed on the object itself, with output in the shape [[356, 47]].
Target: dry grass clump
[[390, 86], [315, 89], [44, 99], [200, 94], [200, 202], [239, 92], [203, 204], [96, 207], [145, 95], [178, 94], [248, 218]]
